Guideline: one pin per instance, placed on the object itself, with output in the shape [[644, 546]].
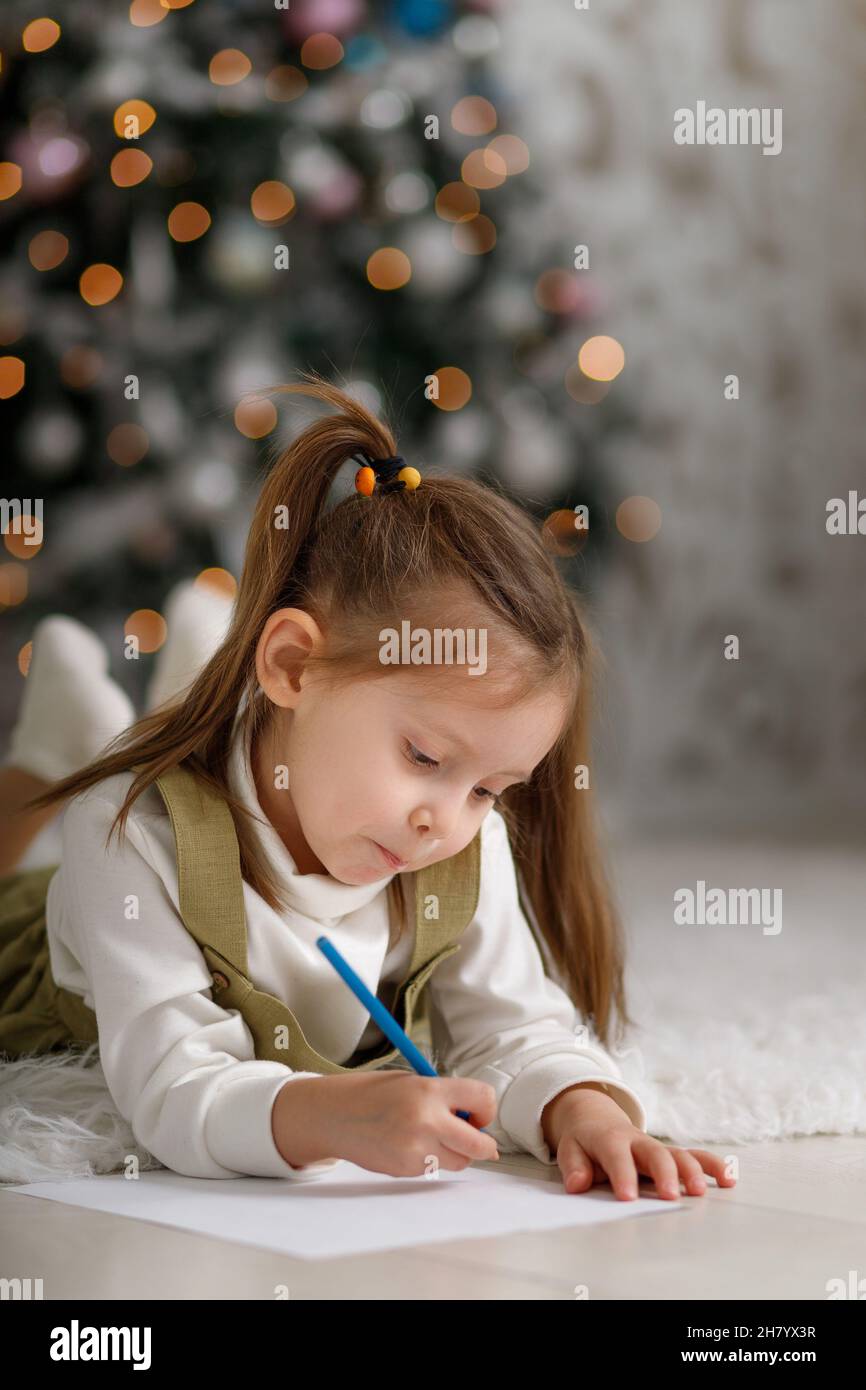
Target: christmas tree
[[199, 200]]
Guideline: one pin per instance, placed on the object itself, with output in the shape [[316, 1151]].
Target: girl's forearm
[[296, 1122]]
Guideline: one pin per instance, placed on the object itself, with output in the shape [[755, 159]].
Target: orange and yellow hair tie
[[385, 475]]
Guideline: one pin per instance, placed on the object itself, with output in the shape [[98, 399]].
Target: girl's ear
[[288, 638]]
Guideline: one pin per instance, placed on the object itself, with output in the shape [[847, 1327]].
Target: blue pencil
[[380, 1015]]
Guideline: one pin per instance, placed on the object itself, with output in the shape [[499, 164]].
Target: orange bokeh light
[[255, 417], [132, 118], [188, 221], [389, 268], [39, 35], [129, 167], [601, 358], [321, 51], [10, 179], [474, 116], [148, 626], [272, 202], [455, 388], [12, 374], [47, 249], [229, 66]]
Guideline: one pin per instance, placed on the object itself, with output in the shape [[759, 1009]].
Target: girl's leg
[[70, 709], [18, 828]]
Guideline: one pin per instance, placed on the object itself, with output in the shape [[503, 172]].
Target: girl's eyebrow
[[466, 748]]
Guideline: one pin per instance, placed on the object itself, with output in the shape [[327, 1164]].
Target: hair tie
[[385, 475]]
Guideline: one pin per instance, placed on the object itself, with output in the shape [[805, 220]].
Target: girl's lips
[[390, 859]]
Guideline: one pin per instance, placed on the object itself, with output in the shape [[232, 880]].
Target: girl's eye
[[421, 760]]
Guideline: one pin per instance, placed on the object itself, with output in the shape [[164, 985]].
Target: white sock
[[70, 707], [198, 618]]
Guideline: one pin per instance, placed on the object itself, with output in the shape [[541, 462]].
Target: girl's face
[[379, 766]]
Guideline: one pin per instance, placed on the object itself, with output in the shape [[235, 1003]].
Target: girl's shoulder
[[111, 792]]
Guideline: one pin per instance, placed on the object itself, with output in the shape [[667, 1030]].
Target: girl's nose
[[432, 825]]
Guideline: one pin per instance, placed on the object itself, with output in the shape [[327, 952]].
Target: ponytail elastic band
[[385, 475]]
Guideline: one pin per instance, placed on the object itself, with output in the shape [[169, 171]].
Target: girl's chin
[[360, 874]]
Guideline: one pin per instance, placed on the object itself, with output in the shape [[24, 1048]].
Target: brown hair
[[453, 545]]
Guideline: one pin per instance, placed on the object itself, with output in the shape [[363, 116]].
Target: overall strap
[[446, 896], [208, 865]]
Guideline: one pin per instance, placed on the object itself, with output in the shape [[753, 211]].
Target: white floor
[[750, 1044], [795, 1221]]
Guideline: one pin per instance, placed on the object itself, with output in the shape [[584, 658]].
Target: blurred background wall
[[722, 260], [153, 163]]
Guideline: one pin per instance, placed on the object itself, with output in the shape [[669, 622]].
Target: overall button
[[220, 981]]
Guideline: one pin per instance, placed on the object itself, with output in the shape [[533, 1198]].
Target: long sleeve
[[180, 1069], [496, 1016]]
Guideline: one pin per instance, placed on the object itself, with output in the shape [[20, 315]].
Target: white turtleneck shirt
[[183, 1071]]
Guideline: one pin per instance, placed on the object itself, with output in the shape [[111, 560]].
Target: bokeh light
[[321, 51], [558, 292], [583, 389], [148, 626], [601, 358], [129, 167], [39, 35], [389, 268], [188, 221], [229, 66], [285, 83], [510, 151], [483, 169], [81, 366], [20, 542], [455, 388], [12, 373], [47, 249], [473, 116], [127, 444], [272, 203], [145, 13], [25, 656], [14, 584], [100, 283], [132, 118], [457, 202], [638, 518], [10, 179], [255, 416], [474, 238], [218, 579]]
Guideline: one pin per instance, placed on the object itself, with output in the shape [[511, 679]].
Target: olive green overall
[[37, 1016]]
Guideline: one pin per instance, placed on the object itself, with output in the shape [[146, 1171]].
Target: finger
[[690, 1171], [575, 1165], [463, 1138], [615, 1158], [658, 1163], [465, 1093], [716, 1165]]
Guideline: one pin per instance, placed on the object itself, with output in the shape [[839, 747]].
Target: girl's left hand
[[595, 1141]]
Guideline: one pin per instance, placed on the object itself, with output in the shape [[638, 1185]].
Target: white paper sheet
[[348, 1211]]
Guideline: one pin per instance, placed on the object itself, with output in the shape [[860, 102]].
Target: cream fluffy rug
[[741, 1035]]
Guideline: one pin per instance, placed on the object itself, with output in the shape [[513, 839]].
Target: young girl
[[304, 784]]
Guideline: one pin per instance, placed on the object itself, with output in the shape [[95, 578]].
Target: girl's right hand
[[388, 1121]]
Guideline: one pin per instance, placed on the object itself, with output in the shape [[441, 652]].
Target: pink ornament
[[338, 17], [51, 162]]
